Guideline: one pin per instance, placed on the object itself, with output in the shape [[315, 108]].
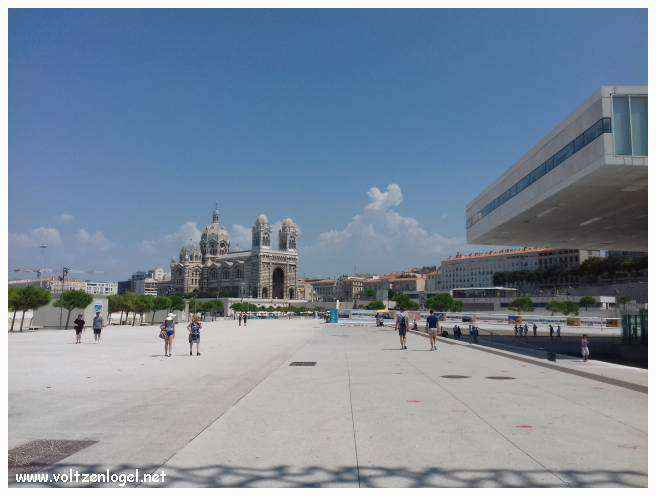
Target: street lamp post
[[63, 281], [43, 259]]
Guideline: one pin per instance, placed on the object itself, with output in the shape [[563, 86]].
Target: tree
[[215, 307], [570, 308], [70, 300], [114, 305], [587, 301], [376, 305], [443, 302], [193, 305], [564, 307], [521, 304], [160, 303], [13, 297], [369, 294], [142, 303], [27, 298], [33, 297], [130, 303], [212, 307], [554, 307], [245, 307], [624, 301], [403, 302], [177, 303]]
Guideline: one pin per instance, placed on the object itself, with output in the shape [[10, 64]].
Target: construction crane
[[85, 271], [39, 271]]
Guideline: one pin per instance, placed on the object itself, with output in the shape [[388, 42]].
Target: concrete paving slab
[[367, 414]]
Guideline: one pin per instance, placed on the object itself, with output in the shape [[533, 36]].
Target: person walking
[[535, 330], [194, 328], [525, 329], [402, 327], [240, 318], [473, 334], [551, 332], [585, 351], [97, 327], [558, 331], [432, 325], [168, 333], [245, 317], [79, 325]]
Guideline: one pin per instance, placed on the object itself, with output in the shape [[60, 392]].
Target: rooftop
[[501, 253]]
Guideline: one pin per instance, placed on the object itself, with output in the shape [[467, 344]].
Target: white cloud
[[380, 239], [160, 249], [240, 237], [32, 239], [148, 247], [188, 230], [65, 218], [96, 241], [383, 200]]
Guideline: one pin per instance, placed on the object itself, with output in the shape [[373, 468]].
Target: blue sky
[[126, 126]]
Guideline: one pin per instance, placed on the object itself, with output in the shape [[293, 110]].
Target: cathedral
[[211, 268]]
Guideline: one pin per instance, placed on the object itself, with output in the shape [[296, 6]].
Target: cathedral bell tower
[[261, 233], [288, 236]]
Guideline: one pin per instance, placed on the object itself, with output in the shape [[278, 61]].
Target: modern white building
[[102, 288], [433, 282], [584, 185], [325, 289], [478, 269], [147, 286]]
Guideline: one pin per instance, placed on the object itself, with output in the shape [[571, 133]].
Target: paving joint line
[[581, 405], [588, 375], [355, 441], [234, 404], [437, 383]]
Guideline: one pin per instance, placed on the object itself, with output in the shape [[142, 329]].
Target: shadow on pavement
[[368, 476]]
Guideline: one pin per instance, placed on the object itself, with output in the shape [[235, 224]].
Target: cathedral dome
[[214, 231], [288, 222], [214, 240], [262, 219]]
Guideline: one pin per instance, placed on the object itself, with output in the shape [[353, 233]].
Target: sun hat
[[170, 316]]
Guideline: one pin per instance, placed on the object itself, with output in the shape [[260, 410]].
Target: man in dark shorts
[[97, 327], [402, 327], [432, 324], [79, 325]]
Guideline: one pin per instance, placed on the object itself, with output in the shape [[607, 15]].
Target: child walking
[[585, 351]]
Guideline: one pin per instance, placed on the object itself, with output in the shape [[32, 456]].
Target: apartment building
[[478, 269]]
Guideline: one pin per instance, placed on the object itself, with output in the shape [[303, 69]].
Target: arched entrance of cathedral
[[265, 292], [291, 293], [278, 283]]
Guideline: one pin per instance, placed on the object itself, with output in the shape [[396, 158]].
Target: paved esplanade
[[367, 414]]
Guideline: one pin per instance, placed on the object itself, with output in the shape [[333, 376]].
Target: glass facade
[[630, 125], [638, 125], [588, 136]]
